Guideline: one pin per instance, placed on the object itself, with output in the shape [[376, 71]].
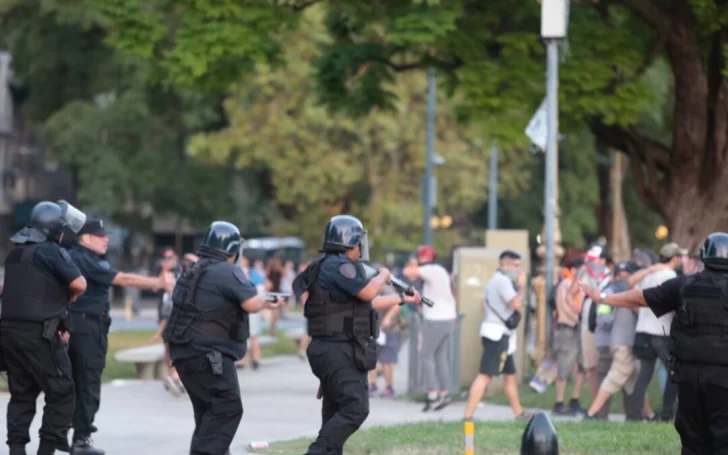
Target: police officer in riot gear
[[340, 303], [90, 324], [698, 344], [207, 332], [40, 280]]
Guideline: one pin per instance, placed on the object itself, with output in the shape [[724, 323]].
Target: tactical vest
[[29, 294], [699, 331], [326, 317], [188, 319]]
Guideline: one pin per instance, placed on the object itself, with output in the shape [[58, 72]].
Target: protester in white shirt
[[653, 333], [504, 296], [439, 321]]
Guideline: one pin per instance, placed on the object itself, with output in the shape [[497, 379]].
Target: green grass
[[592, 438]]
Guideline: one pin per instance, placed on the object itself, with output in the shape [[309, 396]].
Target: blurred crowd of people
[[613, 350]]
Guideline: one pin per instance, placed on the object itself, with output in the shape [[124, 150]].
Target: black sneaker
[[560, 410], [428, 404], [85, 447], [443, 402], [575, 407], [587, 417]]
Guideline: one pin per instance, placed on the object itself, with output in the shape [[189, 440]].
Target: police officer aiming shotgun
[[40, 280], [698, 344], [207, 333], [340, 303]]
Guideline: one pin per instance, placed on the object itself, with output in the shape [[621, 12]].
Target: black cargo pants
[[345, 394], [87, 350], [36, 364], [212, 385], [702, 416]]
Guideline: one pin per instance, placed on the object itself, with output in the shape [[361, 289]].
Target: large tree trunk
[[684, 181]]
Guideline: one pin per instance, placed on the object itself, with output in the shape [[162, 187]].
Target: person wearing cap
[[697, 361], [40, 282], [595, 273], [439, 321], [90, 324], [653, 333]]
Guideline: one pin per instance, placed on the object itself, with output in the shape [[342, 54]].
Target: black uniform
[[343, 330], [89, 341], [34, 311], [698, 347], [207, 333]]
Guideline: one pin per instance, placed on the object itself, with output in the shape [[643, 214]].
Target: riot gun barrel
[[398, 284]]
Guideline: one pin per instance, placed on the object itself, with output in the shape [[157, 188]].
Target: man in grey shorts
[[567, 343]]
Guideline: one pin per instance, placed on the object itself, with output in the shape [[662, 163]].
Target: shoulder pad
[[239, 275], [104, 264], [65, 255], [348, 270]]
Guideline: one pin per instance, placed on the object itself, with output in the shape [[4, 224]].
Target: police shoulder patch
[[239, 275], [104, 264], [348, 270], [65, 255]]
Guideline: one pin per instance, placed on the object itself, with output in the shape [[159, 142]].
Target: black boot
[[18, 450], [84, 447], [47, 447]]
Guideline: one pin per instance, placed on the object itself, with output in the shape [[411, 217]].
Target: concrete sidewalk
[[279, 400]]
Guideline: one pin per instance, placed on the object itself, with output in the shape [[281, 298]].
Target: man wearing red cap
[[439, 322]]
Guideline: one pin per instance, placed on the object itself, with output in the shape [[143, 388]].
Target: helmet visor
[[72, 217], [364, 246]]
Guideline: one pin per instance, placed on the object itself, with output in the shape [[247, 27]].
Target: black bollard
[[539, 437]]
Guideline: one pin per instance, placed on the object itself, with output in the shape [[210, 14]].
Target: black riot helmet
[[222, 240], [714, 252], [48, 221], [344, 232]]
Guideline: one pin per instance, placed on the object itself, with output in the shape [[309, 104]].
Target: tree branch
[[651, 13], [641, 151], [626, 139]]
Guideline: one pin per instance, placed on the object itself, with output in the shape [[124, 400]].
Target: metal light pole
[[428, 186], [553, 30], [493, 189]]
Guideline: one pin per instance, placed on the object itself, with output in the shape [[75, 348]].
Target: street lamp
[[553, 30]]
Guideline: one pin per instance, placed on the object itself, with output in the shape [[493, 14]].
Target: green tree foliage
[[323, 163], [127, 159], [103, 115], [495, 58]]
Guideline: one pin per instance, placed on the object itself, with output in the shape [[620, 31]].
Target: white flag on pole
[[537, 129]]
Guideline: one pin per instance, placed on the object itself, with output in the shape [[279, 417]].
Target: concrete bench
[[265, 340], [149, 361]]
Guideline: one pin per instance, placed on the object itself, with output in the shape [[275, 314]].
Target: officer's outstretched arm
[[133, 280], [77, 287], [253, 304]]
